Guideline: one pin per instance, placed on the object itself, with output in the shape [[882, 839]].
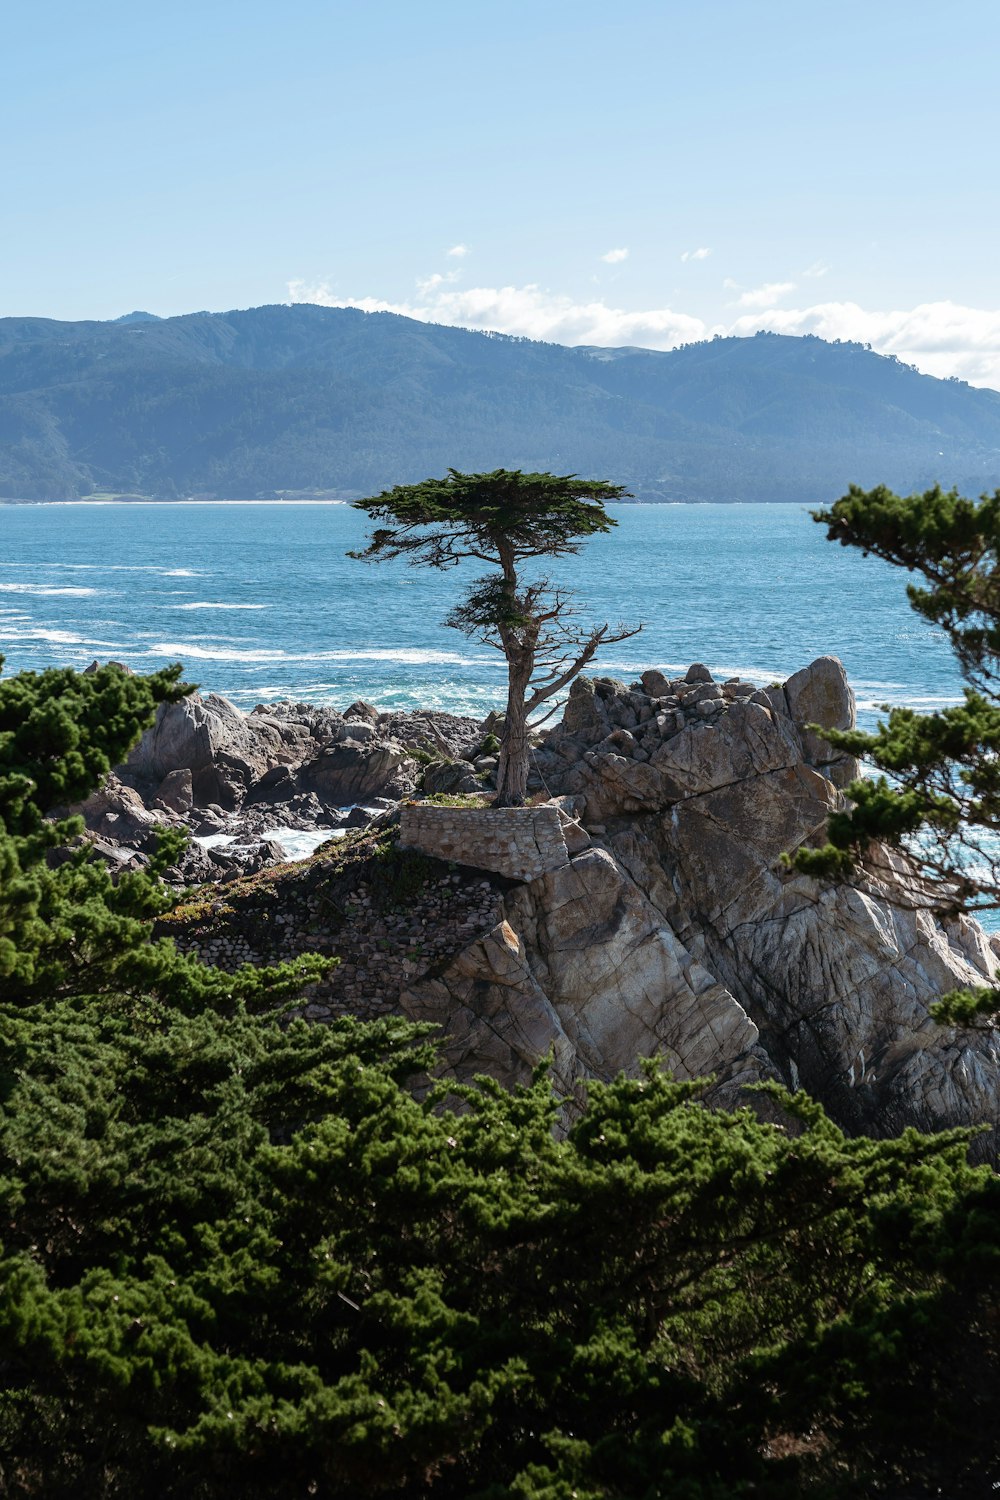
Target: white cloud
[[427, 284], [530, 312], [817, 269], [614, 256], [458, 251], [941, 338], [702, 254], [762, 296]]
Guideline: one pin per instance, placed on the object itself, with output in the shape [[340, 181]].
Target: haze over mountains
[[270, 400]]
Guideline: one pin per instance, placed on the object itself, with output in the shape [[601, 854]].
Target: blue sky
[[629, 173]]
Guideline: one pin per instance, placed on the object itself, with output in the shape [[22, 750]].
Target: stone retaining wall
[[518, 842]]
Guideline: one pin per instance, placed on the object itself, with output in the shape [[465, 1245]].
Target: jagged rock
[[493, 1013], [821, 694], [118, 859], [362, 710], [117, 812], [451, 778], [273, 754], [176, 791], [584, 968], [687, 937], [353, 773], [211, 739], [584, 714], [209, 820], [575, 836], [621, 982], [450, 735], [246, 858], [276, 786], [194, 867], [95, 666]]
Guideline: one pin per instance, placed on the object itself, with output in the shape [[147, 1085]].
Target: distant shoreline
[[137, 504], [95, 504]]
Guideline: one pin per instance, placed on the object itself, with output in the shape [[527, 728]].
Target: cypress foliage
[[938, 796], [244, 1257]]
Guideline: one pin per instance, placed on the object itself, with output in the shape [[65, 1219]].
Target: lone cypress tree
[[506, 518]]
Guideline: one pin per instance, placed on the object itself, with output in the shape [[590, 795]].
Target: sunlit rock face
[[676, 930], [659, 920]]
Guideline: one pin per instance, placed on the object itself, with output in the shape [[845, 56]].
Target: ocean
[[259, 601]]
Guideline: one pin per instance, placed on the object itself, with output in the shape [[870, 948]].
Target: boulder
[[221, 747], [655, 683], [362, 711], [698, 672], [176, 791], [117, 812], [450, 778], [351, 773], [585, 715], [821, 694]]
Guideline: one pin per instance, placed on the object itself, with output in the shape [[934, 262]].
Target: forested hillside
[[248, 404]]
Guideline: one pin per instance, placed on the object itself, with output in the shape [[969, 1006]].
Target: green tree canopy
[[242, 1256], [506, 519], [67, 928], [938, 796]]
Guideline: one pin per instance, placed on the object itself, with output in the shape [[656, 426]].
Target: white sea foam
[[299, 843], [107, 568], [55, 638], [413, 657], [897, 697], [204, 653], [295, 843], [43, 589], [204, 604]]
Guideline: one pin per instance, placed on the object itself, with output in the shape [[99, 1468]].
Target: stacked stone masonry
[[382, 944], [520, 843]]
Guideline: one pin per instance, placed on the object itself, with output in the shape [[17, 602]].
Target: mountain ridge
[[255, 402]]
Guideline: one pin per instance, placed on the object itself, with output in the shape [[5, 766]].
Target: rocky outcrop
[[211, 739], [821, 694], [207, 766], [681, 933], [584, 967], [669, 925]]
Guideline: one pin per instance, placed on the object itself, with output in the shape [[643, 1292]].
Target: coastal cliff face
[[680, 933], [668, 928]]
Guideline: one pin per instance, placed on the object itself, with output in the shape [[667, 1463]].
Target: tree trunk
[[512, 764]]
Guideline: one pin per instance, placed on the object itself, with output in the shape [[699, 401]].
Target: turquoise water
[[259, 602]]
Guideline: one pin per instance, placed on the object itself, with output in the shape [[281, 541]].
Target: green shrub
[[245, 1258]]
